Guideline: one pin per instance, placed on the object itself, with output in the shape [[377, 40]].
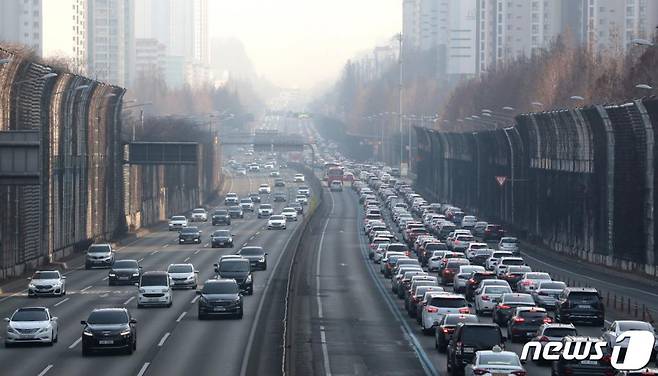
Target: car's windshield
[[499, 360], [106, 317], [99, 249], [560, 332], [189, 230], [180, 269], [198, 211], [220, 288], [221, 233], [481, 336], [46, 275], [220, 212], [178, 218], [125, 264], [251, 251], [234, 266], [153, 280], [30, 314], [266, 206]]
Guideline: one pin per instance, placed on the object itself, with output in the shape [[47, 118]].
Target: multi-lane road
[[169, 340]]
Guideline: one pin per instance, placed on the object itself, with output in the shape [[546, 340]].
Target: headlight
[[135, 274], [190, 277], [125, 332], [87, 332], [11, 330], [44, 329], [248, 278], [31, 285], [262, 259], [142, 290], [112, 275], [165, 290]]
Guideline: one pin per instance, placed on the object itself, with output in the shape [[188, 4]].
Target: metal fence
[[581, 181]]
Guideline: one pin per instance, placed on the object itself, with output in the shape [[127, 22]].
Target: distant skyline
[[302, 43]]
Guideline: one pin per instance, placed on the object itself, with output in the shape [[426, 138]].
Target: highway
[[169, 340]]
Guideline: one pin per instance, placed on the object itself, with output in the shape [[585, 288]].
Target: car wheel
[[130, 350], [251, 291], [85, 351], [240, 314], [139, 306], [55, 337]]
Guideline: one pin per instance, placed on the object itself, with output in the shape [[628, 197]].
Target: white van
[[154, 290], [336, 186]]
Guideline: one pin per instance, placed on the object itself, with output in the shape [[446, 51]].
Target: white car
[[154, 290], [462, 276], [468, 221], [276, 222], [241, 171], [183, 276], [495, 362], [530, 280], [264, 188], [336, 186], [31, 325], [488, 296], [440, 305], [231, 199], [264, 210], [199, 215], [302, 199], [289, 213], [434, 261], [495, 257], [177, 222], [462, 242], [246, 204], [473, 248], [505, 262], [304, 190], [46, 282], [299, 178], [508, 243]]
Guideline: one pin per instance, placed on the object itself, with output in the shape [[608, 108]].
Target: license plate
[[124, 277], [105, 342], [583, 306], [220, 309], [589, 362], [500, 374], [468, 349]]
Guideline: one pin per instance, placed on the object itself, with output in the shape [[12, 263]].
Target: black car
[[279, 197], [255, 197], [581, 367], [221, 238], [189, 235], [446, 327], [238, 268], [473, 283], [221, 217], [256, 255], [505, 309], [525, 323], [580, 304], [278, 182], [124, 271], [235, 212], [299, 207], [109, 329], [220, 297], [466, 340]]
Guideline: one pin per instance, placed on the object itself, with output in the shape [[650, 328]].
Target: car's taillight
[[447, 330], [519, 319], [478, 371], [431, 309], [519, 373], [543, 339], [547, 320], [464, 310], [485, 297], [504, 306]]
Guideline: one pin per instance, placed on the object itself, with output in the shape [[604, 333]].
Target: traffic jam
[[464, 282]]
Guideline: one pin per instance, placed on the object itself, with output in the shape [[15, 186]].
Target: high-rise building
[[21, 22], [111, 40], [65, 36], [150, 58]]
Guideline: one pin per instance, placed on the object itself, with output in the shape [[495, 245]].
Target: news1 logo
[[640, 344]]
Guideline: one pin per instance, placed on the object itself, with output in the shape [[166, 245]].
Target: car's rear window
[[455, 319], [444, 302], [532, 315], [560, 332], [154, 280], [584, 296], [481, 336], [525, 298], [553, 285], [512, 262]]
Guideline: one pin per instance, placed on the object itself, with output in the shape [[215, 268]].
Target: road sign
[[501, 180]]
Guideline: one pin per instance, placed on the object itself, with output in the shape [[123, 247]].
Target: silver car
[[99, 255], [495, 362]]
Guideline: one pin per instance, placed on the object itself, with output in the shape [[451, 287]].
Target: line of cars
[[450, 275]]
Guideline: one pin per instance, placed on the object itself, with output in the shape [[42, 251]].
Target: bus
[[333, 171]]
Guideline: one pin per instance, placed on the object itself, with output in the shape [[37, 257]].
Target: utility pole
[[400, 102]]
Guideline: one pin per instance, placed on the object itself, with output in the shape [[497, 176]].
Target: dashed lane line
[[61, 302], [164, 338], [129, 300], [186, 259], [74, 344], [197, 251], [181, 316], [86, 288], [45, 370], [142, 370], [195, 299]]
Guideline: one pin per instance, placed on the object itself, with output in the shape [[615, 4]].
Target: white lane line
[[142, 371], [154, 252], [181, 316], [129, 300], [186, 259], [164, 338], [197, 251], [74, 344], [140, 260], [104, 295], [195, 299], [12, 295], [257, 232], [61, 302], [106, 278], [86, 288], [165, 246], [45, 370], [207, 244], [325, 350]]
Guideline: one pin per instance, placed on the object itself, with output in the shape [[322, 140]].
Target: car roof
[[154, 272]]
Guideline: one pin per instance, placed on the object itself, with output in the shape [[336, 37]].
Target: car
[[199, 215], [241, 171], [235, 212], [99, 255], [416, 295], [221, 216], [109, 329], [299, 207], [255, 197], [446, 326], [264, 210], [238, 268], [256, 255], [254, 167], [276, 222], [493, 232], [505, 309], [580, 304], [572, 366], [473, 247], [183, 276], [46, 282], [264, 189], [402, 279], [495, 258], [220, 297], [481, 256], [530, 280], [279, 182], [279, 197], [473, 283], [231, 199], [505, 262], [467, 340], [495, 362], [509, 243], [461, 242], [274, 174], [468, 222], [439, 306], [289, 213], [177, 222], [525, 323], [247, 205], [451, 268], [553, 332], [189, 235], [478, 229], [221, 238], [31, 325], [299, 178], [154, 289], [514, 274], [463, 275], [486, 298], [336, 186], [617, 327], [302, 199], [124, 271]]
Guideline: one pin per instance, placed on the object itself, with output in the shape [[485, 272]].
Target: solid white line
[[165, 246], [186, 259], [325, 350], [142, 371], [12, 295], [197, 251], [181, 316], [45, 370], [86, 288], [195, 299], [129, 300], [74, 344], [164, 338], [61, 302]]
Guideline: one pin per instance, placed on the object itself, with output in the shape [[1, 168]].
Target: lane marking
[[74, 344], [181, 316], [325, 350], [154, 252], [45, 370], [197, 251], [129, 300], [186, 259], [166, 245], [86, 288], [195, 299], [142, 371], [164, 338], [106, 278], [104, 295], [61, 302], [140, 260], [12, 295]]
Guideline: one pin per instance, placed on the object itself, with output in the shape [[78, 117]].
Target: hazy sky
[[304, 42]]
